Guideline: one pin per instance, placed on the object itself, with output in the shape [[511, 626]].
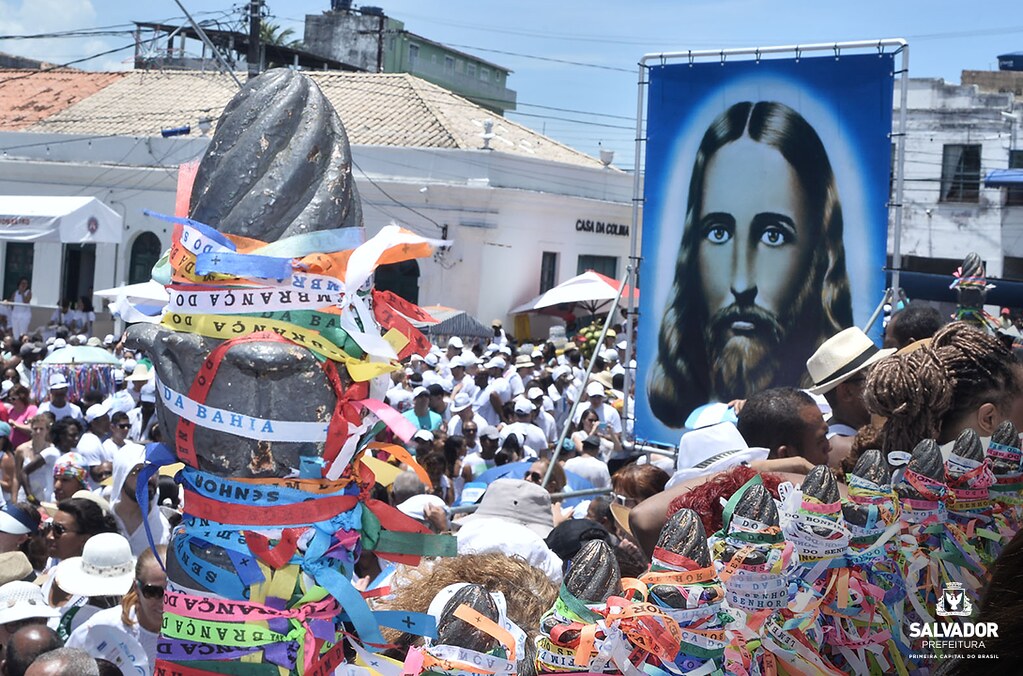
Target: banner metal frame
[[898, 133]]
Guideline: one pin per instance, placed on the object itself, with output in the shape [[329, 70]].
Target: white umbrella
[[590, 288]]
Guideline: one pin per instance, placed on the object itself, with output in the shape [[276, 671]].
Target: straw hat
[[840, 357]]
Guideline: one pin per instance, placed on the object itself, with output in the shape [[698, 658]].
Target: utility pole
[[255, 16]]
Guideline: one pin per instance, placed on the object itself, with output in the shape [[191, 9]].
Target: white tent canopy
[[70, 220]]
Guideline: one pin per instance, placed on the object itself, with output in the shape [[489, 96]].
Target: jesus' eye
[[774, 236], [717, 234]]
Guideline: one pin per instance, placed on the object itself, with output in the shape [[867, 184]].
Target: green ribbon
[[726, 514], [233, 668], [219, 633], [423, 544], [573, 608], [328, 325]]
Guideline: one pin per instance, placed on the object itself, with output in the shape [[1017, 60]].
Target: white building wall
[[939, 114], [500, 211]]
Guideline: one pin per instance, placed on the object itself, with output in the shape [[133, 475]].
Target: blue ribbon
[[206, 230], [243, 265], [235, 492], [222, 582], [420, 624], [320, 241]]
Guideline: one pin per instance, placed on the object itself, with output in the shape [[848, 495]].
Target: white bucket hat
[[105, 568]]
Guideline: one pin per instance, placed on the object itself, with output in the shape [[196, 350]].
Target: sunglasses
[[624, 500], [59, 529], [534, 477], [150, 591], [124, 426]]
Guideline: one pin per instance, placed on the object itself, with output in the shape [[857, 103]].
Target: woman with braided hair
[[963, 378]]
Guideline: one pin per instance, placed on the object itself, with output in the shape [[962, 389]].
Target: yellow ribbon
[[225, 328]]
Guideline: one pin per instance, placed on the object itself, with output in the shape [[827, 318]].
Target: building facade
[[956, 135], [369, 40], [521, 210]]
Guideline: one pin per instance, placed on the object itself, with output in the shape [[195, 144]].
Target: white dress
[[21, 315]]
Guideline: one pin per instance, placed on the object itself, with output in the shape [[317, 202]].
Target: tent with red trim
[[590, 289]]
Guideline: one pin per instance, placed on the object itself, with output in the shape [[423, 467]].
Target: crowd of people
[[506, 435]]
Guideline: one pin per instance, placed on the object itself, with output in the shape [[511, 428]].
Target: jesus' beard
[[744, 362]]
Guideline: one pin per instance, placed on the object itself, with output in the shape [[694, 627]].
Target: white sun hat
[[105, 568]]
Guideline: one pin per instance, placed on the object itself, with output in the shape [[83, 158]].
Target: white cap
[[118, 375], [534, 393], [148, 393], [455, 342], [431, 359], [108, 339], [58, 382], [415, 506], [496, 363], [416, 357], [129, 365], [59, 343], [96, 411], [622, 344], [524, 406], [420, 391], [423, 435], [609, 354], [536, 353], [561, 371], [594, 389]]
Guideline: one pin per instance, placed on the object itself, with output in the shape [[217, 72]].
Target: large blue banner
[[764, 224]]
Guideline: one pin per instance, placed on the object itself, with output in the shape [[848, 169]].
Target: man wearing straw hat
[[839, 370]]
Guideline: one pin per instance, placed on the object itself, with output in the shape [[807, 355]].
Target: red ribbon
[[275, 557], [391, 310], [319, 509], [346, 410]]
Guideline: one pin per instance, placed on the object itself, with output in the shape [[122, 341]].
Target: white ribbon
[[250, 427], [232, 301]]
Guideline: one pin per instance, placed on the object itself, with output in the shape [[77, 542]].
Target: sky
[[573, 62]]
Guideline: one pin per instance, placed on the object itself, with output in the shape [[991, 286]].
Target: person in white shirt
[[461, 379], [125, 507], [541, 418], [461, 408], [606, 412], [120, 425], [37, 458], [142, 606], [97, 419], [494, 394], [121, 399], [588, 465], [533, 440], [58, 404], [562, 394]]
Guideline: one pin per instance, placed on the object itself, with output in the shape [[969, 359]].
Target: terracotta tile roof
[[377, 109], [28, 96]]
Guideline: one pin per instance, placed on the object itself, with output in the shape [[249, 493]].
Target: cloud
[[30, 17]]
